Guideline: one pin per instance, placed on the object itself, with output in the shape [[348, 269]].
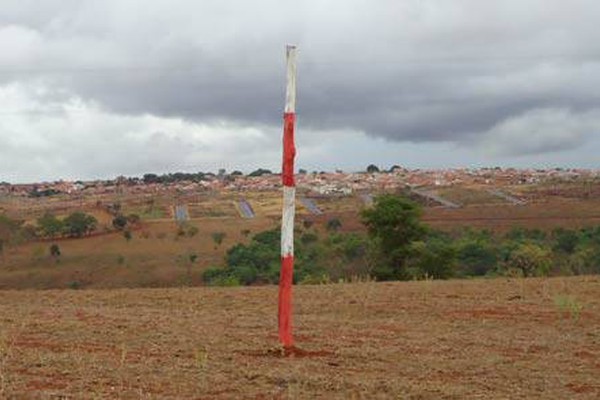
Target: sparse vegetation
[[569, 305], [218, 237], [334, 224], [55, 250], [119, 222]]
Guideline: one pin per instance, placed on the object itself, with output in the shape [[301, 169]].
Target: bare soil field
[[478, 339]]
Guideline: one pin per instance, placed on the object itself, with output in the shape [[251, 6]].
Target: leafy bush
[[530, 259], [433, 258], [78, 224], [476, 257], [565, 240], [54, 250], [218, 237], [119, 222], [215, 276], [192, 231], [50, 226], [334, 224], [399, 247]]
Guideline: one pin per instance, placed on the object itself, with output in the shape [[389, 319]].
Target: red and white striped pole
[[289, 204]]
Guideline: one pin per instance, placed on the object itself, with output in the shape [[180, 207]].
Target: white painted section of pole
[[290, 90], [287, 221]]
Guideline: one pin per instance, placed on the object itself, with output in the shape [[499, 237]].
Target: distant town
[[325, 183]]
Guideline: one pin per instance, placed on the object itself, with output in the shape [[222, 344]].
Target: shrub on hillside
[[79, 224], [434, 258], [54, 250], [476, 257], [530, 259], [215, 276], [50, 226], [119, 222], [334, 224], [565, 240]]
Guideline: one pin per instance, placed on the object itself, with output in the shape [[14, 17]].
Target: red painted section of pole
[[289, 149], [285, 301]]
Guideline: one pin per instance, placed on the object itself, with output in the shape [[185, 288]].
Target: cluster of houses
[[323, 183]]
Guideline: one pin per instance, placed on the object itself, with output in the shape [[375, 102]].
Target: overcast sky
[[97, 89]]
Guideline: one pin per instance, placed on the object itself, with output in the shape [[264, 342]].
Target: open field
[[500, 339]]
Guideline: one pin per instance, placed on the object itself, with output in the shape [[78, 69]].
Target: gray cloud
[[463, 72], [541, 131]]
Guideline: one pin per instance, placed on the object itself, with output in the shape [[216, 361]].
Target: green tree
[[476, 256], [79, 224], [372, 168], [260, 172], [434, 258], [565, 240], [530, 259], [393, 223], [119, 222], [256, 262], [522, 235], [50, 226], [585, 260]]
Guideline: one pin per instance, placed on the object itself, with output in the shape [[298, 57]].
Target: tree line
[[398, 246]]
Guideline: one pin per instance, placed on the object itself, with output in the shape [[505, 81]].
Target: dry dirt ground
[[478, 339]]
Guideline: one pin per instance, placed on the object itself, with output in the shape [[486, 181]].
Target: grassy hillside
[[157, 256]]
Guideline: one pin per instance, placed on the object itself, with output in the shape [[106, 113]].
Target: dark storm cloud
[[412, 70]]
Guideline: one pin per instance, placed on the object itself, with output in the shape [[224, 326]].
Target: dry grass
[[551, 214], [155, 257], [467, 196], [421, 340]]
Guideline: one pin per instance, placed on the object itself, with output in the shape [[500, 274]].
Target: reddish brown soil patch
[[291, 352], [425, 340], [575, 388]]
